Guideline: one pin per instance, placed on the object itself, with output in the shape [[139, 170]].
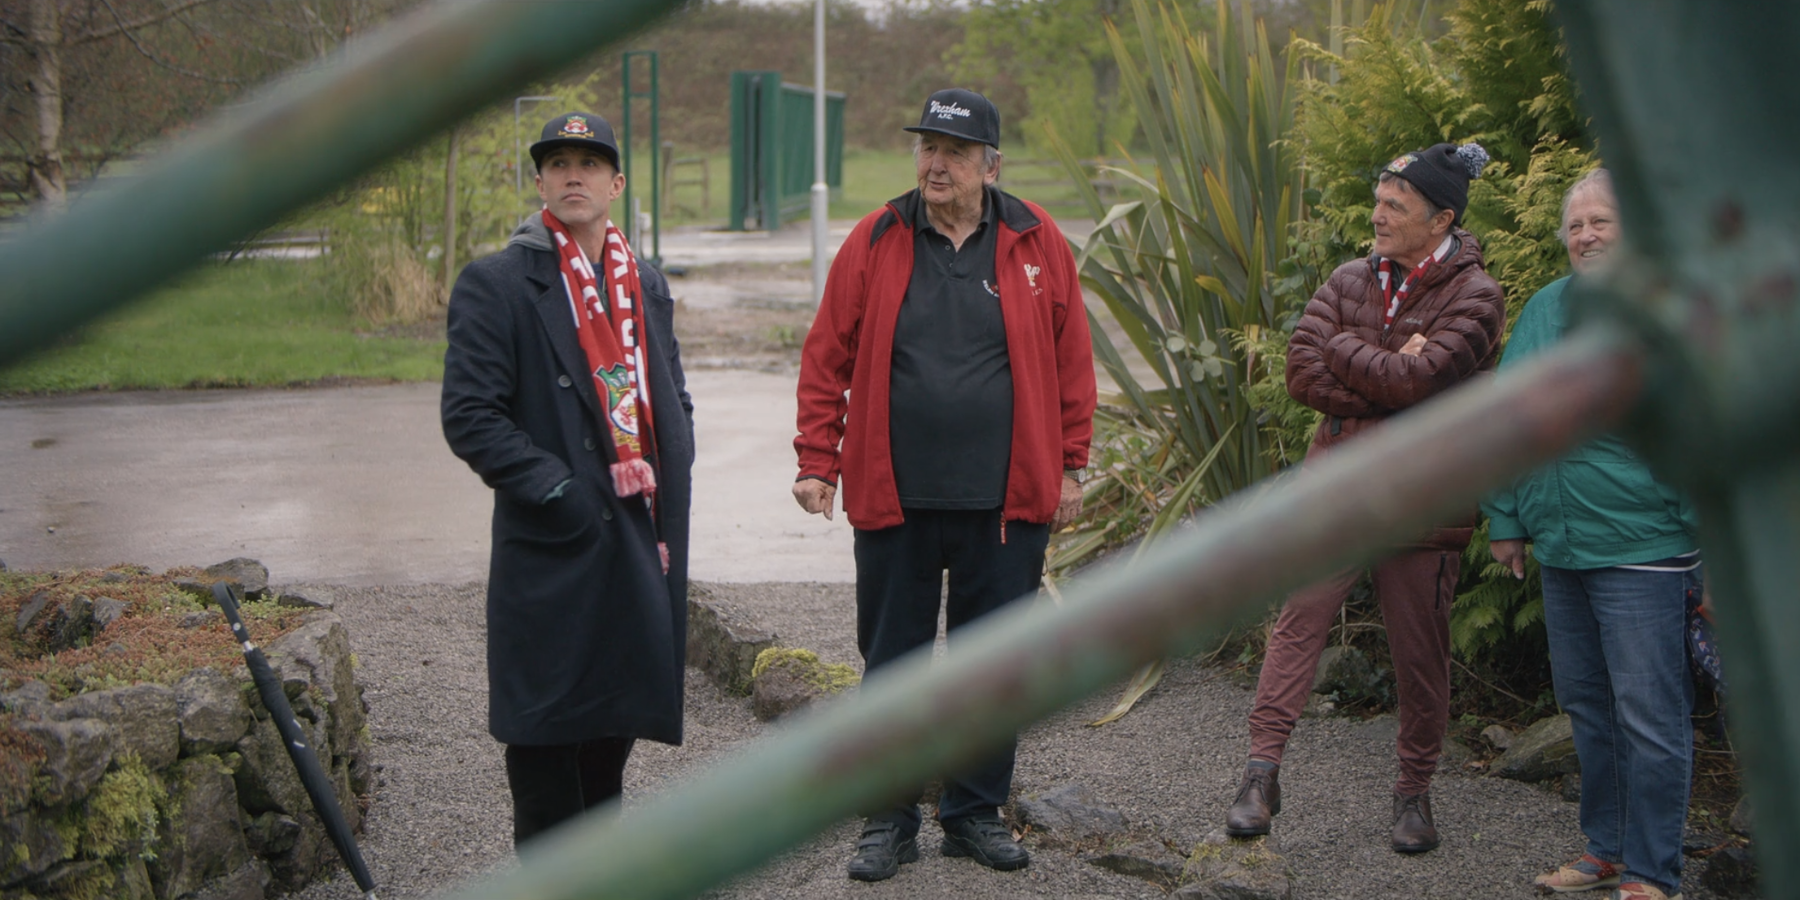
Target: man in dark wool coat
[[563, 390]]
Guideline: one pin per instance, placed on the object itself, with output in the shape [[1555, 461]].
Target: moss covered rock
[[202, 833], [151, 789], [784, 680]]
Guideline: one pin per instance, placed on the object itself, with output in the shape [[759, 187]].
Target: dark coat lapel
[[559, 323]]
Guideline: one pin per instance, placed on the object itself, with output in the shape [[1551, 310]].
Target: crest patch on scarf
[[621, 403]]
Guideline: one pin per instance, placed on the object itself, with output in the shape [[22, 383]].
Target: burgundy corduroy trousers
[[1415, 588]]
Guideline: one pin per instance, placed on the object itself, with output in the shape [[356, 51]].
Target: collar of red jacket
[[903, 210]]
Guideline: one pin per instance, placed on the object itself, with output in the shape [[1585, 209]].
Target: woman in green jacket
[[1619, 561]]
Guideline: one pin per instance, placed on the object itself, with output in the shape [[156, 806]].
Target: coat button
[[606, 513], [588, 443], [564, 380]]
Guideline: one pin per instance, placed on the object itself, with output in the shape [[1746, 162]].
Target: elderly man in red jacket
[[948, 380], [1417, 317]]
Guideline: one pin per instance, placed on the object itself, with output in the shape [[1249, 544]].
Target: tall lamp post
[[821, 198]]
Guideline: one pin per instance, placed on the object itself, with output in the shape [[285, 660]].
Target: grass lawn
[[871, 178], [239, 324]]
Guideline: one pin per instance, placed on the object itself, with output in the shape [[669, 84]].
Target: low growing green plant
[[147, 643], [122, 811], [1491, 604]]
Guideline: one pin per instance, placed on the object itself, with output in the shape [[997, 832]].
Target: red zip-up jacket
[[850, 349]]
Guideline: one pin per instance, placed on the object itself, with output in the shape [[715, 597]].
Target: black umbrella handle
[[306, 760]]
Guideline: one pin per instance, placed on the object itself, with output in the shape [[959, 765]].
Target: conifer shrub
[[1499, 77], [1209, 266]]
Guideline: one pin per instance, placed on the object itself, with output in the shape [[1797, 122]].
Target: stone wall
[[150, 791]]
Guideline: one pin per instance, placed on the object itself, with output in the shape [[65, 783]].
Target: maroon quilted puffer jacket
[[1343, 363]]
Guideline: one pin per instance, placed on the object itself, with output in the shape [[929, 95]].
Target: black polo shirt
[[950, 396]]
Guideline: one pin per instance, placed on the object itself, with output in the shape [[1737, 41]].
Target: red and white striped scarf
[[1396, 293], [615, 355]]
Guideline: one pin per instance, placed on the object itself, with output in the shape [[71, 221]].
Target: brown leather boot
[[1413, 828], [1258, 799]]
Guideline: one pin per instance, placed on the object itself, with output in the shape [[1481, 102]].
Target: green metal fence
[[647, 94], [1690, 348], [772, 149]]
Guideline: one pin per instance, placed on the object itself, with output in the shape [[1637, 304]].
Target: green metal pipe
[[920, 718], [1750, 530], [1711, 194], [306, 135]]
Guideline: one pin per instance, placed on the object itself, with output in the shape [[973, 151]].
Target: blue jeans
[[1618, 655]]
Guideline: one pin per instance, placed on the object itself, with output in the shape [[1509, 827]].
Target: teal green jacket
[[1597, 507]]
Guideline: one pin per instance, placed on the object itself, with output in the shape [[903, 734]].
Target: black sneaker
[[987, 841], [881, 850]]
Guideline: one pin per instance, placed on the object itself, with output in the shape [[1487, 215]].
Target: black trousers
[[552, 784], [899, 587]]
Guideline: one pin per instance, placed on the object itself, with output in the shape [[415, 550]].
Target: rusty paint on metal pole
[[919, 718]]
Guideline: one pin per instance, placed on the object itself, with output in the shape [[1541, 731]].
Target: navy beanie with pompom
[[1442, 173]]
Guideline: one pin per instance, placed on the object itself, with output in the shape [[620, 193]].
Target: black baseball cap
[[576, 129], [961, 113]]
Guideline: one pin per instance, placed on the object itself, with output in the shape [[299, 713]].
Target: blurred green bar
[[1709, 193], [299, 139], [920, 718], [1697, 117]]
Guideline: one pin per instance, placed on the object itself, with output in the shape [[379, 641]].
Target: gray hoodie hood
[[531, 234]]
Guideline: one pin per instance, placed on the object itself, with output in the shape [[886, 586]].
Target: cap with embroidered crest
[[576, 129], [960, 113]]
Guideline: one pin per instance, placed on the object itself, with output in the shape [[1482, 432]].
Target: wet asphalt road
[[356, 486]]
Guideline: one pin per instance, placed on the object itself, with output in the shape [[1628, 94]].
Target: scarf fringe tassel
[[633, 476]]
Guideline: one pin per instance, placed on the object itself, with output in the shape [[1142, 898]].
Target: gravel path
[[441, 815]]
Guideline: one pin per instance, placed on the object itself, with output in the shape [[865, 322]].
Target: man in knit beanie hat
[[1415, 318], [1441, 174]]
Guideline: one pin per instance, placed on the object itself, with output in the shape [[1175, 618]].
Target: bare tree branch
[[130, 35], [202, 32], [121, 26]]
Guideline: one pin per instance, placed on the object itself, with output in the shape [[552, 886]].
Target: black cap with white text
[[960, 113]]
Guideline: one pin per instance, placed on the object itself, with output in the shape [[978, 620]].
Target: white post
[[821, 197], [518, 148]]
